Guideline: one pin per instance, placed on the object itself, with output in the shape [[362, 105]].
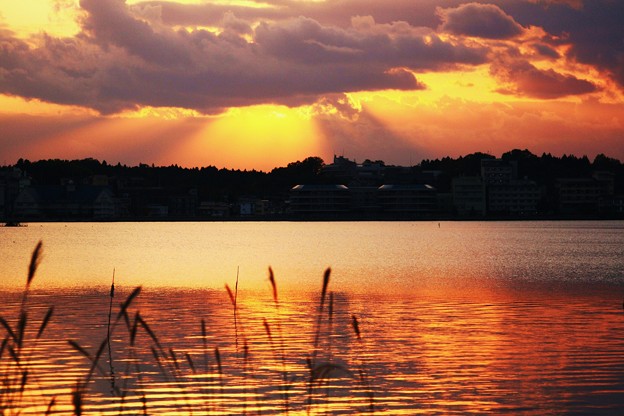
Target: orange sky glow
[[258, 84]]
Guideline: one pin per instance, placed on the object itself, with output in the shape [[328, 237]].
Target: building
[[214, 209], [364, 199], [253, 206], [342, 170], [320, 199], [498, 171], [579, 195], [12, 182], [468, 196], [518, 197], [407, 200], [67, 201], [505, 194]]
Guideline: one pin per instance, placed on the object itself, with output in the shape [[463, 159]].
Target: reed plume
[[35, 260], [234, 300], [320, 314]]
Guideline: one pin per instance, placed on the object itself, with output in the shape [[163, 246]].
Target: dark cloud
[[109, 22], [294, 53], [126, 57], [306, 41], [479, 20], [592, 29], [527, 80], [546, 51], [598, 39], [332, 12]]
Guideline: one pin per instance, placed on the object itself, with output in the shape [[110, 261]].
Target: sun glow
[[17, 105], [244, 137], [29, 17]]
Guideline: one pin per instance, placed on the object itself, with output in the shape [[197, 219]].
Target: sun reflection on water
[[469, 352], [438, 341]]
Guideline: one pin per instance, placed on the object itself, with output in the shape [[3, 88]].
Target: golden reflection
[[488, 350], [465, 343]]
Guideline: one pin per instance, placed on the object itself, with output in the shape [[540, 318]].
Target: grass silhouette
[[197, 380]]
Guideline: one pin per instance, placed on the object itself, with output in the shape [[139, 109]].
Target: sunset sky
[[257, 84]]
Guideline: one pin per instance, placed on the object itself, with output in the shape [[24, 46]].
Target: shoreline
[[319, 218]]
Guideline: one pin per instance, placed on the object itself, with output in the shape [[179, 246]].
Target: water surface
[[455, 318]]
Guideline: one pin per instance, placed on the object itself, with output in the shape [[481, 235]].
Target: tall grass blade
[[151, 333], [230, 294], [133, 329], [21, 328], [5, 341], [108, 334], [50, 406], [23, 382], [204, 344], [14, 355], [81, 350], [96, 360], [233, 300], [144, 403], [174, 358], [364, 379], [219, 368], [268, 331], [236, 285], [356, 326], [273, 284], [35, 260], [325, 284], [321, 307], [159, 363], [8, 328], [191, 364], [77, 399], [44, 323], [126, 304], [312, 361]]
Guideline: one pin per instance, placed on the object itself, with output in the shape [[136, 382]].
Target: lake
[[453, 318]]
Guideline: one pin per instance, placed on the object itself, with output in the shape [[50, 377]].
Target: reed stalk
[[315, 374], [286, 385], [108, 335], [17, 377], [362, 371]]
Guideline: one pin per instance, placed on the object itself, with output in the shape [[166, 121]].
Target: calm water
[[455, 318]]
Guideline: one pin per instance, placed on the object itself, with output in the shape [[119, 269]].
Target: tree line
[[219, 183]]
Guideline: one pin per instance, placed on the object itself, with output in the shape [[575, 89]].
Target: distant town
[[518, 185]]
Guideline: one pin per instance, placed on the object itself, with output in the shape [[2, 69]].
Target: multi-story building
[[517, 197], [498, 171], [468, 196], [320, 199], [68, 201], [407, 200], [579, 195]]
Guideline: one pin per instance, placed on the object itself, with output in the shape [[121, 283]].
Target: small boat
[[14, 224]]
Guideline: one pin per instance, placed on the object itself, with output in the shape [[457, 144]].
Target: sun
[[257, 137]]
